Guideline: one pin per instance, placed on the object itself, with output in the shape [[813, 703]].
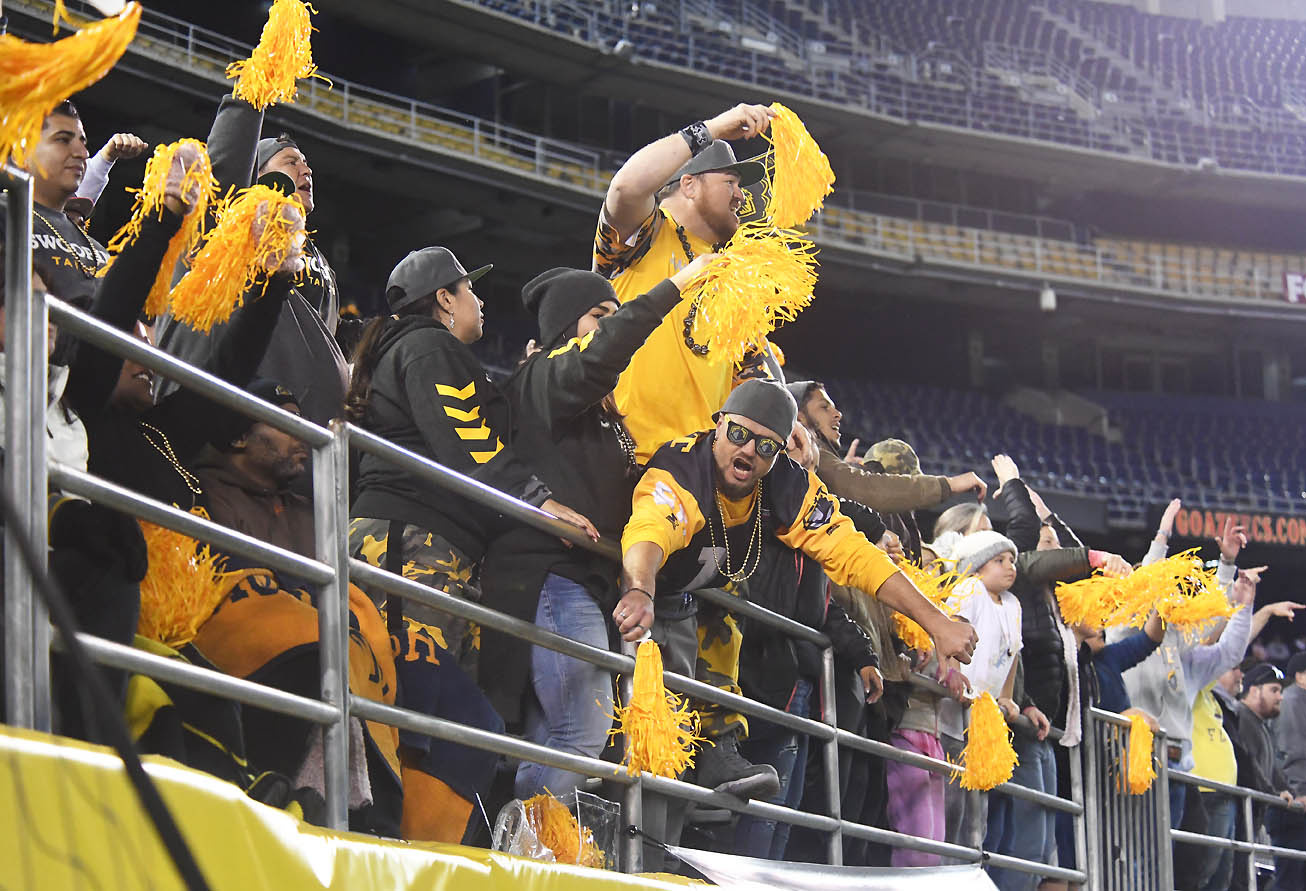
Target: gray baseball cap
[[720, 156], [763, 402], [425, 272]]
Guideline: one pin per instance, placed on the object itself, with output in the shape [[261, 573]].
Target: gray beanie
[[763, 402], [978, 548]]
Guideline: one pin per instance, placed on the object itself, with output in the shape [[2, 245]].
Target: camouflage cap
[[895, 456]]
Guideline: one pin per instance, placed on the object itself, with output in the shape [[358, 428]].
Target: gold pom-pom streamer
[[237, 252], [284, 55], [1139, 767], [763, 277], [989, 758], [558, 830], [1179, 588], [35, 77], [661, 730], [802, 174], [185, 583], [938, 589], [197, 184]]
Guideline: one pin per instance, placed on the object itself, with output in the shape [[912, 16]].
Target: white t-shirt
[[998, 625]]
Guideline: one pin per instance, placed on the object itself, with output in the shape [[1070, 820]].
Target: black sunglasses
[[739, 435]]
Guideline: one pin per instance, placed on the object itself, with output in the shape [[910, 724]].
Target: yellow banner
[[71, 820]]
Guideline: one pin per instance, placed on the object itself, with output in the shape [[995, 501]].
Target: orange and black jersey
[[677, 498], [430, 395]]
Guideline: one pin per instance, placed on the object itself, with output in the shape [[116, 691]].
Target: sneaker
[[721, 768]]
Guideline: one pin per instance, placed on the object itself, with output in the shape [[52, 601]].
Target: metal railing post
[[1249, 827], [1164, 855], [832, 785], [1091, 864], [330, 528], [632, 855], [27, 643]]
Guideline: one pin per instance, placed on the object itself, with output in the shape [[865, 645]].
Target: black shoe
[[720, 767]]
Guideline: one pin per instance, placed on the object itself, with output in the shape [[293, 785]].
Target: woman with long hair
[[417, 384]]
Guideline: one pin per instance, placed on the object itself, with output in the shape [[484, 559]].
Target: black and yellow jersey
[[677, 498]]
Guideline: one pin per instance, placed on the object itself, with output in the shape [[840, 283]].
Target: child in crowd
[[987, 562]]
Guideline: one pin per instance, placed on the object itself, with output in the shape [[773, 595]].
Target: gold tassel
[[660, 729], [558, 830], [802, 174], [197, 180], [989, 758], [1092, 601], [185, 583], [284, 54], [236, 255], [938, 589], [1140, 771], [763, 277], [35, 77]]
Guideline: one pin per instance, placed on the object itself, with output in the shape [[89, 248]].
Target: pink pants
[[915, 804]]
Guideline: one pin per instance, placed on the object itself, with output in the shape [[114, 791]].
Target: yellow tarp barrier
[[69, 819]]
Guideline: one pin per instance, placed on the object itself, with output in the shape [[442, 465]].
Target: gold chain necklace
[[72, 252], [754, 551], [164, 448]]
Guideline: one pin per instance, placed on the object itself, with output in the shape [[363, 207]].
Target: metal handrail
[[334, 716]]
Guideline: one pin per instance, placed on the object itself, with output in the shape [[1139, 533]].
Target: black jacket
[[430, 395], [122, 449], [303, 354], [770, 662], [1042, 654], [573, 443]]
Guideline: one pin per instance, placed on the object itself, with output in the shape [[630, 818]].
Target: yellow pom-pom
[[197, 182], [802, 176], [1179, 588], [938, 589], [1092, 601], [764, 276], [660, 729], [558, 830], [35, 77], [256, 229], [989, 758], [185, 583], [1139, 768], [283, 55]]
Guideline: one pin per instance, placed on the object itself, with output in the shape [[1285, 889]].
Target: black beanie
[[559, 297]]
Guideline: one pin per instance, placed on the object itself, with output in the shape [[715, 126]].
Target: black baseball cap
[[763, 402], [1264, 673], [720, 156], [425, 272]]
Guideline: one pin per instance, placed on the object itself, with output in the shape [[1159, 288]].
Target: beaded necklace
[[164, 448], [698, 349]]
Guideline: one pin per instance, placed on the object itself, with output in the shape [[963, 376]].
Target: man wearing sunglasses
[[706, 501]]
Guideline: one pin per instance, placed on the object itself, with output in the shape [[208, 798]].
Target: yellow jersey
[[668, 390], [1213, 755]]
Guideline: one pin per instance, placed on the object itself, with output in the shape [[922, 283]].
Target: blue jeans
[[1287, 830], [1020, 828], [572, 707], [1220, 812], [1177, 792], [786, 751]]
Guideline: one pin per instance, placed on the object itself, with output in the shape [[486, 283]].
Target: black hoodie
[[576, 446], [431, 396]]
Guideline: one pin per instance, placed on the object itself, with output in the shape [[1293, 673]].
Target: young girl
[[987, 560]]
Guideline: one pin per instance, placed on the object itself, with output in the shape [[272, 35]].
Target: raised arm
[[630, 197]]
